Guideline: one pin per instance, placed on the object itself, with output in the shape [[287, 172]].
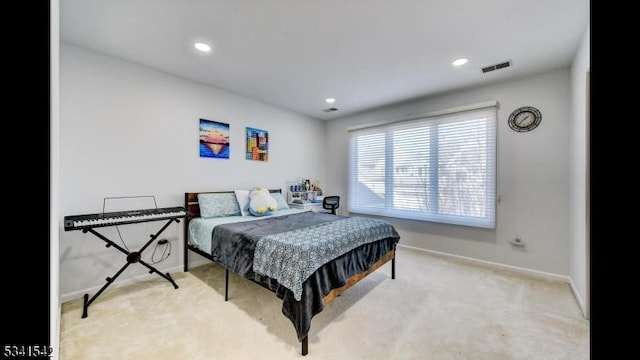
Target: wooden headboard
[[193, 207]]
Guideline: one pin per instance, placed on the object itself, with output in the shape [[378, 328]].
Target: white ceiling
[[365, 53]]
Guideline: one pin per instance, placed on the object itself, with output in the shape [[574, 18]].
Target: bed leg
[[305, 345], [226, 284], [185, 239], [186, 259], [393, 267]]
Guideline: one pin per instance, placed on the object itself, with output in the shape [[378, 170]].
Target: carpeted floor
[[436, 308]]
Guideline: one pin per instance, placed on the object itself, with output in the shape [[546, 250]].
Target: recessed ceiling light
[[202, 47], [330, 101], [460, 62]]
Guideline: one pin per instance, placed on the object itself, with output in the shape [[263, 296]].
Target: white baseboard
[[516, 269], [579, 298], [116, 284]]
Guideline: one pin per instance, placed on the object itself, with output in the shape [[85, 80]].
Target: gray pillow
[[218, 205]]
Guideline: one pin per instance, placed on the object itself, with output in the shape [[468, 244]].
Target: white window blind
[[440, 168]]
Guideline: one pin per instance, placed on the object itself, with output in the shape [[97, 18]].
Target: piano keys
[[89, 221]]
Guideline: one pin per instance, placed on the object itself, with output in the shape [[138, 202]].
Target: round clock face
[[524, 119]]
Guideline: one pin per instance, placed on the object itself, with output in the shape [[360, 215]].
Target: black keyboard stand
[[132, 257]]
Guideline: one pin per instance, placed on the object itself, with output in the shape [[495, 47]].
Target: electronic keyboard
[[88, 221]]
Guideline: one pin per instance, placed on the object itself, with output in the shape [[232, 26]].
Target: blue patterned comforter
[[290, 248], [291, 257]]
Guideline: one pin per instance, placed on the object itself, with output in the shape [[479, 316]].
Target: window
[[437, 168]]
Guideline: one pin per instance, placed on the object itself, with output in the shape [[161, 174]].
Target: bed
[[307, 259]]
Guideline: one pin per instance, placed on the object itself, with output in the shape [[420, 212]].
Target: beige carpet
[[436, 308]]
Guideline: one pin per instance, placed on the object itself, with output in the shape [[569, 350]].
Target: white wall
[[533, 175], [129, 130], [579, 173], [54, 184]]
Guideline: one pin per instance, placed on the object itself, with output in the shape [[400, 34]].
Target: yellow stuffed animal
[[261, 203]]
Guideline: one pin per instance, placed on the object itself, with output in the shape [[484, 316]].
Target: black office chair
[[331, 203]]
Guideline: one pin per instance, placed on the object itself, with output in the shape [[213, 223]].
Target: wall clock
[[525, 119]]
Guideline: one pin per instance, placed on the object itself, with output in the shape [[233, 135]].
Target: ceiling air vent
[[499, 66], [330, 109]]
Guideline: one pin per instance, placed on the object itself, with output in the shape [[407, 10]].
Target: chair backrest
[[331, 203]]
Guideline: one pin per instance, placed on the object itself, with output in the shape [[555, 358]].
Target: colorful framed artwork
[[257, 144], [214, 139]]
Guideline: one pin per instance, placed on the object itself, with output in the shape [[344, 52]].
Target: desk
[[315, 207]]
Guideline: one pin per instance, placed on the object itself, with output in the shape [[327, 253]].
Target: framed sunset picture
[[257, 144], [214, 139]]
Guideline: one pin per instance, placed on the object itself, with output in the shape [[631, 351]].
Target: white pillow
[[243, 201], [280, 201]]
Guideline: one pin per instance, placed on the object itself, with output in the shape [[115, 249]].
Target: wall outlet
[[517, 242]]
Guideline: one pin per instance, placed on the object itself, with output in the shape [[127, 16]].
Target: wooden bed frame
[[193, 211]]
